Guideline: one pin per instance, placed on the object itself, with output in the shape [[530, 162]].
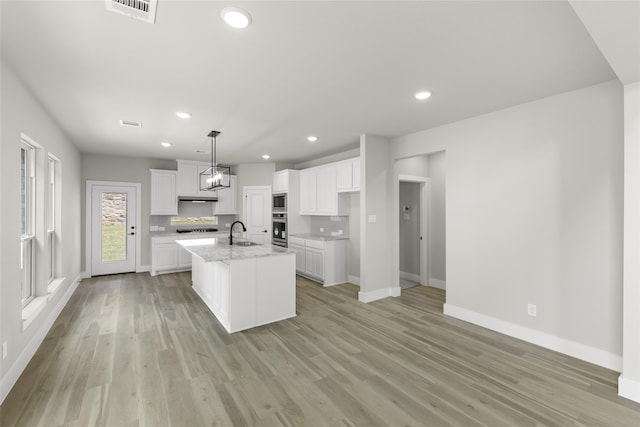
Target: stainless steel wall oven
[[279, 230]]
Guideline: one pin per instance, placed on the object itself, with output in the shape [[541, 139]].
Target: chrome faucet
[[231, 230]]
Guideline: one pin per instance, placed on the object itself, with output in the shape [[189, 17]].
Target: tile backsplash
[[326, 225]]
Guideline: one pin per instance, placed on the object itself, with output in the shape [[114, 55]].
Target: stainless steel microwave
[[279, 202]]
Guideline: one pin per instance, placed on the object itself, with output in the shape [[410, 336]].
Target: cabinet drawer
[[296, 241], [316, 244]]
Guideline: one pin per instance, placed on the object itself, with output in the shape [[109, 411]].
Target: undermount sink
[[246, 244]]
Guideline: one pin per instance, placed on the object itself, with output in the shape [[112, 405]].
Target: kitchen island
[[243, 286]]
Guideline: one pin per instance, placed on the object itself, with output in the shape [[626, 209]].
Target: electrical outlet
[[322, 229], [532, 310], [4, 349], [227, 225], [160, 228], [371, 219], [153, 228]]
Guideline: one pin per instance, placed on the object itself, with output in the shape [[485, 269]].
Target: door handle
[[264, 231], [131, 234]]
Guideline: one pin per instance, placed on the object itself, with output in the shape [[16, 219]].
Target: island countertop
[[218, 249]]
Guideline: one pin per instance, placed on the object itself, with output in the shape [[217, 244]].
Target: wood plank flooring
[[136, 350]]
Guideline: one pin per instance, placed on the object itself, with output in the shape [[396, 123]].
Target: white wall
[[534, 215], [437, 218], [630, 379], [375, 177], [22, 113]]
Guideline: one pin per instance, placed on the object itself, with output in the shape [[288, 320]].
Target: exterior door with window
[[113, 232]]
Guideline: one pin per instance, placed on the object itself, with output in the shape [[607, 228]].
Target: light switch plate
[[371, 218]]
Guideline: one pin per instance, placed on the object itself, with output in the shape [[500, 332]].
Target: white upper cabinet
[[348, 175], [281, 181], [226, 204], [327, 194], [308, 191], [164, 200], [189, 181], [319, 194]]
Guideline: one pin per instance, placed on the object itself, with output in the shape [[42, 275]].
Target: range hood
[[198, 198]]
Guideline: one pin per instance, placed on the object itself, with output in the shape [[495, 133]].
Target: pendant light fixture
[[215, 177]]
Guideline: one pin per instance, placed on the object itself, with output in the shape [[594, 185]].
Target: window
[[194, 220], [53, 216], [27, 213]]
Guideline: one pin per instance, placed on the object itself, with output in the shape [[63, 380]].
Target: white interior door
[[113, 229], [257, 213]]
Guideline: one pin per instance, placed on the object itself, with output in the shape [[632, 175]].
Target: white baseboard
[[629, 389], [354, 279], [85, 275], [143, 268], [378, 294], [437, 283], [552, 342], [410, 276], [14, 372]]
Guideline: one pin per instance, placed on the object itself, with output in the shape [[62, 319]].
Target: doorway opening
[[413, 231], [421, 250]]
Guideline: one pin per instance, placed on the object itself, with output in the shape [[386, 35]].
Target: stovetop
[[196, 230]]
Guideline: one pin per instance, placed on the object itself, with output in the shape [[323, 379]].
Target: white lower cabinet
[[167, 256], [322, 261]]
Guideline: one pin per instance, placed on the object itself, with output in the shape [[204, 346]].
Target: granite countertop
[[321, 237], [218, 249]]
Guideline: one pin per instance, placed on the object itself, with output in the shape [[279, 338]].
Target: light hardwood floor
[[133, 350]]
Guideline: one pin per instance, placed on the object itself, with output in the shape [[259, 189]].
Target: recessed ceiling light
[[183, 115], [266, 156], [165, 144], [236, 17], [422, 95], [312, 138]]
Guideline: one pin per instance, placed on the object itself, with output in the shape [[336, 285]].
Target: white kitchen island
[[243, 286]]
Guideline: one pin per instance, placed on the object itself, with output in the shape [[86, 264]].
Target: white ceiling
[[332, 69]]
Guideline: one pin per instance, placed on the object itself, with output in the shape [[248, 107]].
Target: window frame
[[53, 216], [28, 231]]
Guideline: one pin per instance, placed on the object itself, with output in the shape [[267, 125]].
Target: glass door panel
[[114, 223]]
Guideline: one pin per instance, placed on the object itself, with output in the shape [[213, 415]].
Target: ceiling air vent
[[144, 10], [130, 123]]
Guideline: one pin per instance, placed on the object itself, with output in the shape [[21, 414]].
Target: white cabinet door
[[344, 176], [281, 181], [314, 259], [300, 257], [165, 256], [348, 175], [356, 174], [327, 193], [187, 183], [164, 200], [226, 204], [184, 257], [308, 191]]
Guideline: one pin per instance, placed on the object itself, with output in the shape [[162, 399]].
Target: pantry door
[[113, 228], [257, 213]]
